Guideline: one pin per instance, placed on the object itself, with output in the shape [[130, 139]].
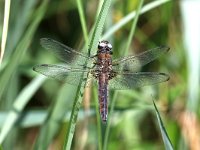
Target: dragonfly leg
[[112, 74], [94, 56]]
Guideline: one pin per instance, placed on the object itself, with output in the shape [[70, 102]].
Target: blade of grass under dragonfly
[[92, 47]]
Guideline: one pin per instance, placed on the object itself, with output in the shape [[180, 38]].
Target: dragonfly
[[117, 74]]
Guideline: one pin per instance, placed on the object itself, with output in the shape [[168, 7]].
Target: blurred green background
[[35, 111]]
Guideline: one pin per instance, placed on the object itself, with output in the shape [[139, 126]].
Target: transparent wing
[[61, 72], [133, 80], [63, 52], [133, 63]]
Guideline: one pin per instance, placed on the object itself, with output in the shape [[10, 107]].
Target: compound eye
[[101, 45], [109, 46]]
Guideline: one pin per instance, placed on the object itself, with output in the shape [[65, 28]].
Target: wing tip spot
[[44, 40], [34, 69], [166, 75], [166, 48]]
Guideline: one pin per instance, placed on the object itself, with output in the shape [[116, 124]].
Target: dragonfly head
[[104, 47]]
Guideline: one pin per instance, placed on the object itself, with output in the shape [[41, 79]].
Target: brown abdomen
[[103, 95]]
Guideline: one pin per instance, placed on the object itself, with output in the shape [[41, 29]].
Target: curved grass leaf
[[83, 21], [19, 105], [55, 115], [21, 48], [130, 16], [5, 29], [165, 137]]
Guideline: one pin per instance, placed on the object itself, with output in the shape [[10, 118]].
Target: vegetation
[[40, 113]]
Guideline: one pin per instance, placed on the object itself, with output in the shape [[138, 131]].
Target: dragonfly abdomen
[[103, 96], [103, 70]]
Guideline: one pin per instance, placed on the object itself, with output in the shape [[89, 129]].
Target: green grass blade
[[73, 118], [21, 48], [5, 29], [133, 27], [19, 105], [36, 117], [83, 21], [165, 137], [20, 18], [99, 26], [130, 16], [55, 115], [92, 47]]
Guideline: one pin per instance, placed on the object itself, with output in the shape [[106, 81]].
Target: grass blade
[[165, 137], [55, 115], [5, 29], [99, 26], [19, 105], [94, 40], [21, 48], [83, 21], [130, 16], [133, 26]]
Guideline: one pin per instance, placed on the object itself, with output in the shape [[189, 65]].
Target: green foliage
[[166, 139], [59, 115]]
